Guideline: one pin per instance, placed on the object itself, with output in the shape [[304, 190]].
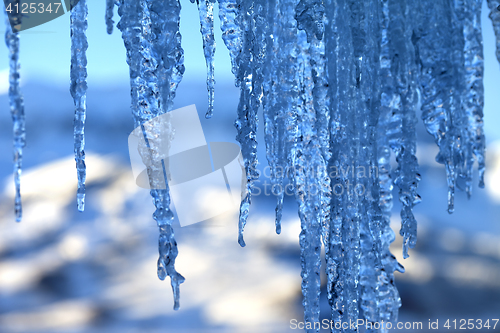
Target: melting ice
[[339, 83]]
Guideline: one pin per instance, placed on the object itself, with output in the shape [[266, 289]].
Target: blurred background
[[65, 271]]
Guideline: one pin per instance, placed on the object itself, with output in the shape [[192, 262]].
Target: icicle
[[167, 48], [462, 145], [437, 67], [287, 100], [310, 180], [338, 51], [474, 90], [337, 98], [332, 239], [388, 296], [280, 97], [110, 6], [251, 17], [398, 105], [315, 139], [269, 105], [206, 10], [343, 244], [452, 99], [232, 34], [396, 89], [353, 117], [156, 68], [366, 40], [13, 20], [78, 90], [494, 6]]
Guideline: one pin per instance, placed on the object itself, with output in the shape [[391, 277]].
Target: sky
[[45, 50], [45, 56]]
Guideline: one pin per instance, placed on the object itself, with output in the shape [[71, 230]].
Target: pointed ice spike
[[354, 119], [281, 97], [345, 37], [16, 102], [232, 34], [280, 100], [167, 246], [156, 67], [365, 31], [78, 90], [168, 56], [441, 81], [314, 128], [389, 300], [474, 99], [249, 77], [392, 19], [474, 66], [269, 106], [206, 12], [110, 6], [367, 176], [398, 106], [462, 145]]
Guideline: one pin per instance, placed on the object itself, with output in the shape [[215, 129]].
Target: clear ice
[[110, 6], [13, 19], [340, 84], [78, 90], [150, 31], [206, 10]]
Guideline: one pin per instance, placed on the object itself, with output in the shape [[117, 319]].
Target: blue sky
[[45, 50], [45, 56]]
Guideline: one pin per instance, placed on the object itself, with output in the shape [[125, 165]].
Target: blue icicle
[[206, 13], [78, 90], [16, 102], [110, 6], [156, 68]]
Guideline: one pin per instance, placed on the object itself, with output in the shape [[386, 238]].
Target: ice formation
[[339, 83], [16, 101], [78, 90], [150, 30]]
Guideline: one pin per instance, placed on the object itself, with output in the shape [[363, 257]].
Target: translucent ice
[[339, 83], [13, 19], [78, 90]]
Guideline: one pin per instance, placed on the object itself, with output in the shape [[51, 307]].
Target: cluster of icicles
[[339, 83]]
